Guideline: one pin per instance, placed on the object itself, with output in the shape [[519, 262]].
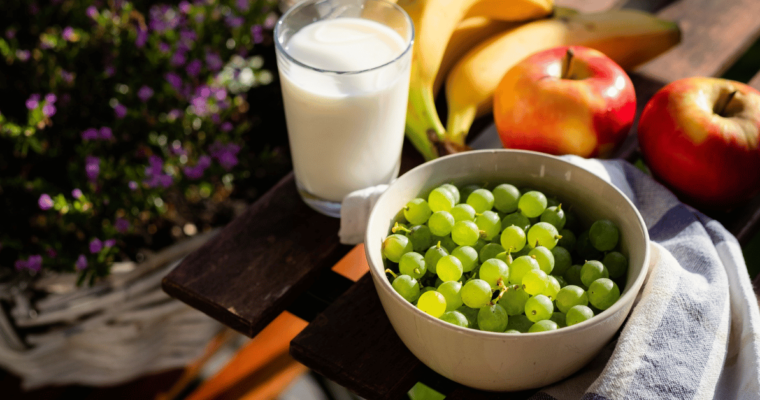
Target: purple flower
[[145, 93], [204, 91], [51, 252], [76, 193], [220, 94], [257, 33], [122, 225], [92, 12], [45, 202], [270, 21], [178, 59], [92, 168], [177, 149], [213, 61], [20, 264], [194, 68], [215, 118], [10, 33], [197, 171], [234, 22], [142, 37], [109, 71], [188, 36], [120, 110], [226, 155], [33, 101], [68, 34], [132, 185], [164, 48], [90, 134], [67, 77], [95, 246], [106, 133], [154, 175], [51, 98], [81, 262], [163, 18], [174, 114], [174, 80], [23, 55], [109, 243], [34, 263], [226, 127], [243, 5], [184, 7], [200, 106], [48, 110]]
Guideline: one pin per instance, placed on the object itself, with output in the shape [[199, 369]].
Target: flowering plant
[[125, 126]]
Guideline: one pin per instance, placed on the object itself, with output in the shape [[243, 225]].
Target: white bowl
[[498, 361]]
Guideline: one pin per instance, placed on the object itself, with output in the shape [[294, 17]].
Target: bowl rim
[[588, 324]]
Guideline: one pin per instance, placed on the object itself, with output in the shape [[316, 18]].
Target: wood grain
[[755, 81], [590, 6]]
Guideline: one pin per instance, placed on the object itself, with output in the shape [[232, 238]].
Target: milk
[[345, 130]]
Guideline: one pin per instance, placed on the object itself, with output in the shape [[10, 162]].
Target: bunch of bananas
[[471, 44]]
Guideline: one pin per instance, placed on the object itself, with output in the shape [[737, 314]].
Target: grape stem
[[398, 227], [482, 234], [417, 271], [502, 289], [388, 271]]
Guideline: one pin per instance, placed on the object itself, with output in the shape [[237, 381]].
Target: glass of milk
[[344, 70]]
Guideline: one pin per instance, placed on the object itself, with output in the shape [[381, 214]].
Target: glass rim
[[280, 49]]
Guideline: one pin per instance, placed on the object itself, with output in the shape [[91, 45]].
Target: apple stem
[[725, 105], [568, 59]]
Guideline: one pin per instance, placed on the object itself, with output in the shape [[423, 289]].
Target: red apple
[[566, 100], [700, 137]]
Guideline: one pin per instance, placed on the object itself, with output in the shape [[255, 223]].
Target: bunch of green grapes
[[503, 260]]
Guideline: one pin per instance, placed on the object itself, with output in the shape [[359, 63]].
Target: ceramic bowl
[[499, 361]]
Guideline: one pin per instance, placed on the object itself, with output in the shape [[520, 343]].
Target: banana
[[628, 37], [434, 23]]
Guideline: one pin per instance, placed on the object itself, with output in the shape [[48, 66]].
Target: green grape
[[492, 270], [514, 300], [395, 246], [542, 234], [453, 190], [538, 308], [412, 264], [407, 287], [516, 219], [604, 235], [471, 314], [441, 199], [562, 260], [573, 275], [479, 245], [490, 251], [456, 318], [544, 257], [467, 256], [448, 243], [450, 291], [532, 204], [492, 318], [476, 293], [552, 288], [552, 202], [449, 268], [578, 314], [567, 240], [573, 223], [616, 264], [519, 323], [570, 296], [489, 222], [441, 223], [417, 211], [481, 200], [584, 248], [463, 212], [432, 303], [512, 331], [505, 198], [421, 237], [554, 216], [520, 266], [535, 282], [544, 326], [559, 318], [591, 271], [465, 233], [432, 256], [467, 190], [561, 280], [603, 293], [513, 238]]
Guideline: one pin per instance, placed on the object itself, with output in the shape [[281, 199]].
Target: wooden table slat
[[755, 81]]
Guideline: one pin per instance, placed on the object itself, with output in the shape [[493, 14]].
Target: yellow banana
[[628, 37], [434, 23]]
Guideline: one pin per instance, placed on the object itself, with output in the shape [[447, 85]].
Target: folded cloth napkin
[[694, 332]]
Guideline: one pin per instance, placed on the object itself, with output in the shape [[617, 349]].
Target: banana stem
[[459, 123], [422, 122]]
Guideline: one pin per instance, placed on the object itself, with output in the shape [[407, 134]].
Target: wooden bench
[[279, 255]]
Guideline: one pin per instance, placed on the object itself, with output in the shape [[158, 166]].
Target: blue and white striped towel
[[694, 332]]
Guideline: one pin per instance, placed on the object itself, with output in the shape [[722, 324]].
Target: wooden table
[[278, 256]]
